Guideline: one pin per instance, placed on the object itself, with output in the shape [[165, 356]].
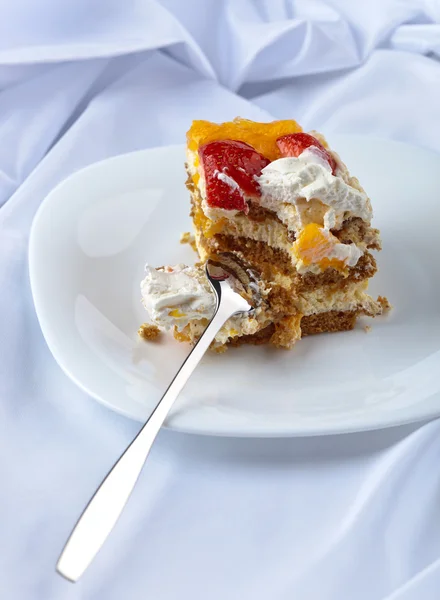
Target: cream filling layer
[[275, 234], [321, 300], [329, 297], [234, 327]]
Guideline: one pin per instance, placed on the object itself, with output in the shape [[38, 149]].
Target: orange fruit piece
[[314, 245]]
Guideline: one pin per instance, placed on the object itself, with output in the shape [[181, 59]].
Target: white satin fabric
[[335, 518]]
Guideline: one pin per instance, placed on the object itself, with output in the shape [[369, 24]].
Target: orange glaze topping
[[261, 136]]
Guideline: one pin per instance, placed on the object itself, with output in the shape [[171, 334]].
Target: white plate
[[94, 232]]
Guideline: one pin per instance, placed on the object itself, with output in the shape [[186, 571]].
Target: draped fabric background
[[334, 518]]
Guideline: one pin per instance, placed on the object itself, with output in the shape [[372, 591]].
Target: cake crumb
[[287, 331], [219, 349], [188, 238], [367, 328], [385, 304], [149, 332]]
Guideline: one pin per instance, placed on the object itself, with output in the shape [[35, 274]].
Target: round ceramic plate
[[94, 232]]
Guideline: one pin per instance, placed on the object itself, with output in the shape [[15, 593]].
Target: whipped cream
[[347, 253], [288, 181], [174, 296]]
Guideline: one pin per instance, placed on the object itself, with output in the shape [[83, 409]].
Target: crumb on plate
[[188, 238], [148, 332]]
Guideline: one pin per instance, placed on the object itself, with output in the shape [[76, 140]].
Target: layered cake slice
[[283, 205]]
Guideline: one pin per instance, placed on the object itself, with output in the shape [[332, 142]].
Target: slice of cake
[[283, 204]]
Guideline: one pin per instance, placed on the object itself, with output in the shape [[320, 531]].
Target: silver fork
[[105, 507]]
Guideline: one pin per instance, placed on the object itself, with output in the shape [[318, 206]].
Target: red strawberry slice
[[230, 168], [294, 144]]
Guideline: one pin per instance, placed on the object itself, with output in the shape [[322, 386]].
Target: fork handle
[[103, 510]]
